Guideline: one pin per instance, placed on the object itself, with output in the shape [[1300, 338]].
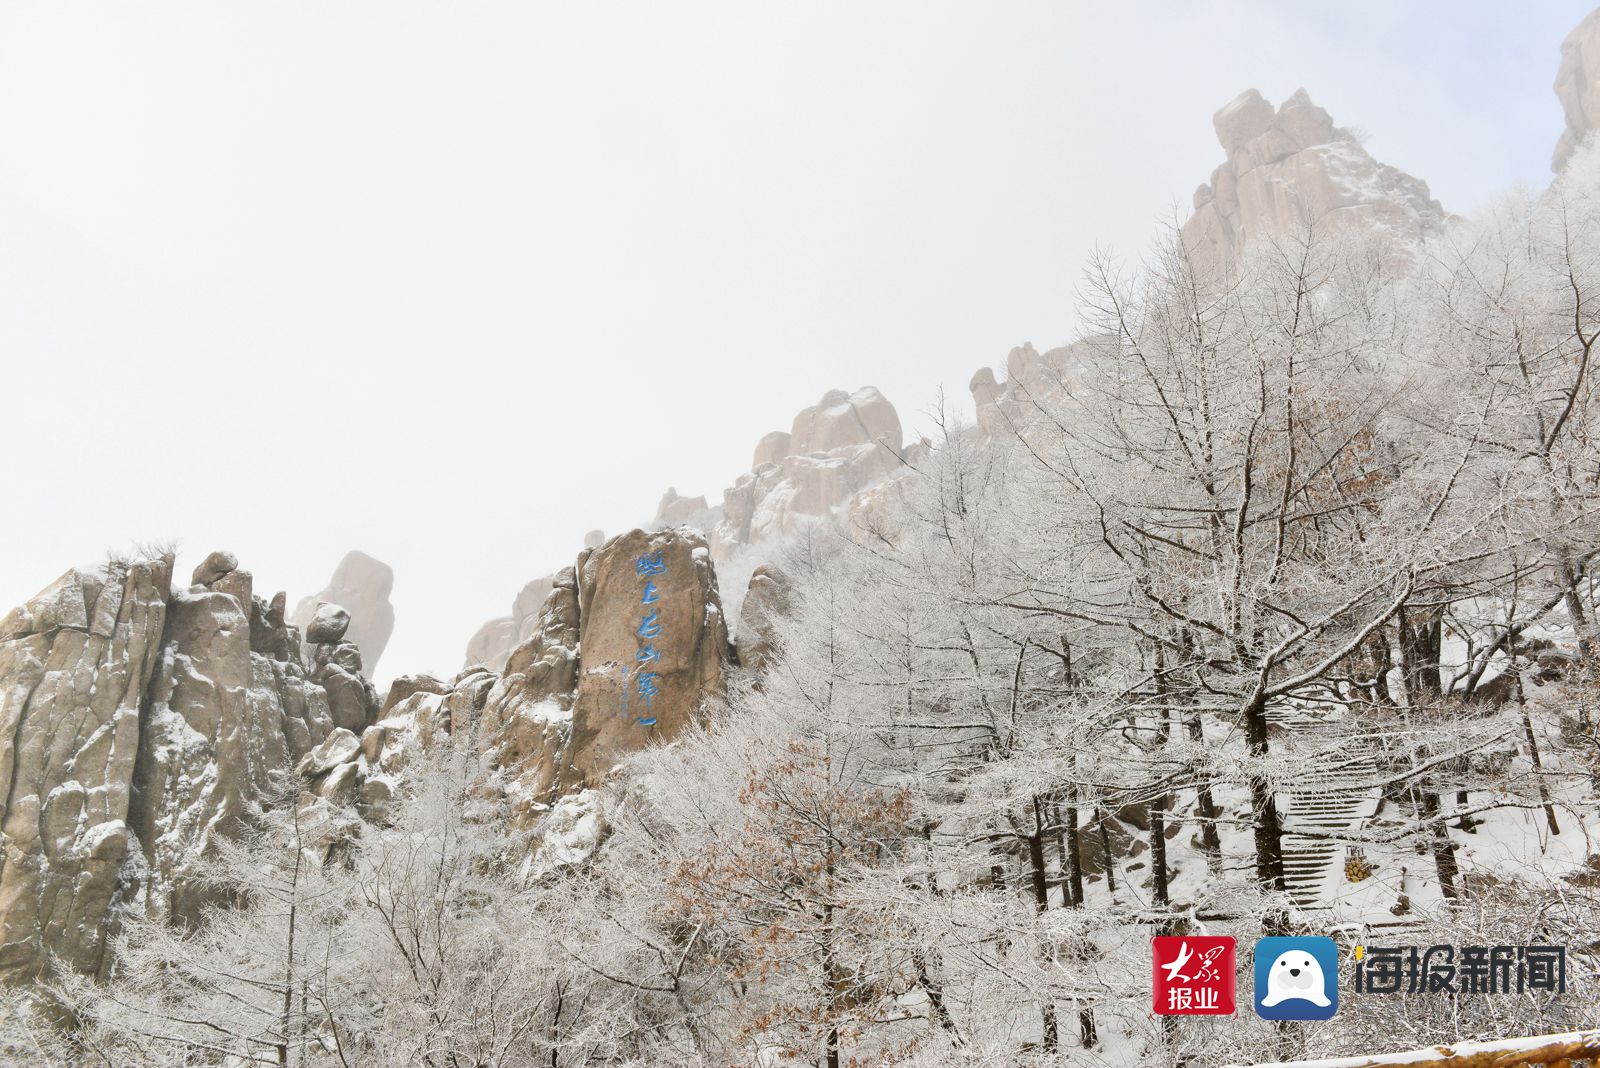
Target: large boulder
[[361, 584], [631, 645], [74, 665], [492, 643], [654, 645], [1289, 169], [406, 685], [1578, 87], [214, 567], [771, 449], [328, 624], [675, 510]]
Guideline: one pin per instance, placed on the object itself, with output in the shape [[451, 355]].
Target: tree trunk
[[1444, 850], [1575, 610], [1105, 852], [937, 1009], [1041, 901], [1421, 640], [1205, 803], [1268, 827], [1158, 807], [1071, 848], [1533, 744]]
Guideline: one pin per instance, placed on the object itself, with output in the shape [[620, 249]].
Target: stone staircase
[[1334, 798]]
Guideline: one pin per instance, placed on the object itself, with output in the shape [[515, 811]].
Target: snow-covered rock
[[765, 602], [630, 644], [361, 584], [137, 725], [1578, 87], [75, 662], [1292, 168], [571, 832], [328, 624]]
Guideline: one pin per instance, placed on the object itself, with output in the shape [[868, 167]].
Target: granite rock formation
[[765, 602], [495, 640], [836, 448], [1289, 168], [361, 584], [630, 645], [1578, 87], [75, 662], [138, 724]]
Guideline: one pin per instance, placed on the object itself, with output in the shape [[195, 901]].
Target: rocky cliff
[[1578, 87], [628, 649], [494, 641], [631, 644], [833, 453], [139, 723], [1286, 169], [1290, 167]]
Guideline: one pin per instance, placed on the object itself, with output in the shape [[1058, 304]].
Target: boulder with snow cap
[[362, 585], [328, 624], [214, 567], [337, 748]]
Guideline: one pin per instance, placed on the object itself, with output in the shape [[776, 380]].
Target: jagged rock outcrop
[[527, 719], [835, 449], [630, 645], [675, 510], [1578, 87], [1033, 379], [361, 584], [841, 420], [495, 640], [336, 667], [765, 602], [74, 665], [221, 728], [1289, 168], [137, 725]]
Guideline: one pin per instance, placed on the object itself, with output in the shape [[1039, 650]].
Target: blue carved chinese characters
[[646, 684]]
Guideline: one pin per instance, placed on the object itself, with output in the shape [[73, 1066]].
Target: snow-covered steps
[[1333, 799]]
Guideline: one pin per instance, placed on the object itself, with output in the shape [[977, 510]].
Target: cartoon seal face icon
[[1296, 975]]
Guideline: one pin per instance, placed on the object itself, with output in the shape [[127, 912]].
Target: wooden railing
[[1575, 1049]]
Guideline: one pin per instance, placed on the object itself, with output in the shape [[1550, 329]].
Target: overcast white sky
[[454, 283]]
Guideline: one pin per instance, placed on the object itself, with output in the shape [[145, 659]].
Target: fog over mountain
[[453, 286]]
